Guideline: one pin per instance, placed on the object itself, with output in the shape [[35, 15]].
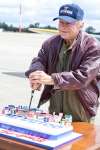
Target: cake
[[36, 127]]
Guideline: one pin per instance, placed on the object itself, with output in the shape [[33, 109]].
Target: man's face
[[69, 31]]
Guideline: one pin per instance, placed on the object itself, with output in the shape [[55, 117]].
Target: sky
[[43, 11]]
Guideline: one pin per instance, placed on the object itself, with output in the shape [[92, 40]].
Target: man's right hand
[[36, 86], [33, 84]]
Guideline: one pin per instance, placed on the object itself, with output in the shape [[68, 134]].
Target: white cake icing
[[51, 129]]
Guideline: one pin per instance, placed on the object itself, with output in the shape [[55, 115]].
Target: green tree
[[4, 26], [31, 26], [90, 29], [36, 25]]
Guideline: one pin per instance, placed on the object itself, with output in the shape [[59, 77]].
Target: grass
[[38, 30]]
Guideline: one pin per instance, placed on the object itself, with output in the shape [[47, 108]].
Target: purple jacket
[[84, 69]]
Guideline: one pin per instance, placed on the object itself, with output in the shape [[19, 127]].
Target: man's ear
[[81, 24]]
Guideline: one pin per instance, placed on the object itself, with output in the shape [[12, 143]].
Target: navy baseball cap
[[70, 13]]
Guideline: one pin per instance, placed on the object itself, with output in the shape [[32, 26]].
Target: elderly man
[[68, 65]]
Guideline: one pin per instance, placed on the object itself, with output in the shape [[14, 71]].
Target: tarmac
[[16, 53]]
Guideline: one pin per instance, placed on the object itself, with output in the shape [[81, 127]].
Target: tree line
[[12, 28], [6, 27], [91, 30]]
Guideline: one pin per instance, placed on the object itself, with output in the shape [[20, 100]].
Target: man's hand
[[40, 77], [33, 84]]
